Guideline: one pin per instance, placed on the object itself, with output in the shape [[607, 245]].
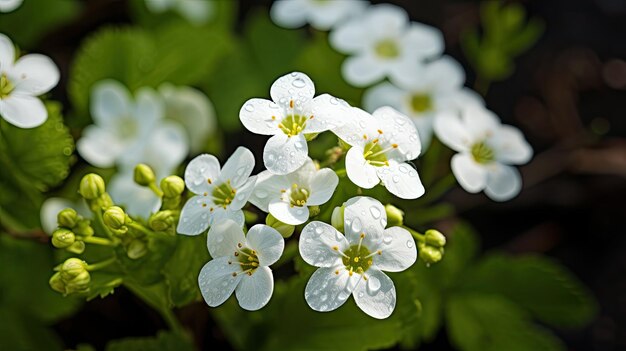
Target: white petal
[[510, 146], [424, 125], [194, 218], [303, 175], [423, 41], [159, 5], [401, 180], [377, 295], [220, 214], [503, 182], [99, 146], [243, 194], [266, 189], [149, 108], [49, 211], [479, 122], [295, 86], [359, 172], [359, 127], [7, 53], [216, 281], [470, 175], [195, 11], [398, 249], [327, 14], [447, 73], [9, 5], [326, 291], [285, 213], [451, 131], [328, 112], [316, 244], [137, 200], [362, 70], [261, 116], [289, 13], [385, 20], [224, 238], [283, 155], [401, 131], [255, 291], [23, 111], [267, 243], [364, 215], [383, 94], [110, 101], [350, 37], [238, 167], [199, 171], [323, 187], [34, 75]]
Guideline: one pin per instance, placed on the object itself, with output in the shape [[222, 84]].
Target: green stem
[[155, 189], [417, 235], [101, 264], [171, 320], [140, 228], [109, 233], [98, 241], [341, 172]]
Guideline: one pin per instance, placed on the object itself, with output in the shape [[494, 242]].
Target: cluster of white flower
[[197, 12], [10, 5], [382, 42]]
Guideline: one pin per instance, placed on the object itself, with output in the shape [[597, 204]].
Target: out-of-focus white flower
[[292, 113], [193, 110], [353, 264], [286, 197], [486, 149], [10, 5], [220, 193], [21, 82], [381, 145], [383, 42], [322, 15], [195, 11], [438, 87], [240, 264]]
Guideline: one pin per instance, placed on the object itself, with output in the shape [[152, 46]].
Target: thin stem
[[155, 189], [101, 264], [140, 228], [98, 241], [417, 235]]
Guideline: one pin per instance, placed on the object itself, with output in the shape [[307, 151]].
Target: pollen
[[209, 181], [395, 146], [291, 103], [380, 131], [364, 136], [311, 117], [336, 248], [205, 194], [203, 204], [234, 274], [337, 272], [273, 118], [379, 252], [239, 245], [362, 235]]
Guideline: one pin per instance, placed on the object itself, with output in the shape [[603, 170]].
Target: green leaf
[[489, 323], [18, 332], [539, 285], [182, 269], [147, 270], [164, 341]]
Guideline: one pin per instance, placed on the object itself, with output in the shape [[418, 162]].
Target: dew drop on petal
[[261, 194], [249, 107], [361, 294], [409, 244], [373, 285], [387, 239], [319, 230], [298, 83], [375, 212], [395, 178], [324, 297], [343, 295], [356, 225]]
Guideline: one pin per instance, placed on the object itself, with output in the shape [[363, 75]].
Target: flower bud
[[314, 211], [435, 238], [63, 238], [136, 249], [144, 175], [78, 247], [71, 268], [172, 186], [162, 220], [114, 217], [67, 218], [79, 283], [83, 227], [91, 186], [430, 254], [286, 230], [336, 219], [57, 283], [395, 216]]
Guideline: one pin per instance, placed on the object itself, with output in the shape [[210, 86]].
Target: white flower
[[195, 11], [381, 145], [286, 197], [21, 82], [322, 15], [436, 88], [485, 149], [9, 5], [354, 263], [383, 42], [219, 193], [240, 264], [292, 114], [193, 110]]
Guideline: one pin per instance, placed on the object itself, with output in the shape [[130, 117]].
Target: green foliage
[[182, 269], [506, 35], [163, 341]]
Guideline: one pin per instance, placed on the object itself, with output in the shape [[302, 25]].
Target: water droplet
[[375, 212], [387, 239], [319, 230], [261, 194], [298, 83], [361, 294], [356, 225], [395, 178], [324, 297], [338, 236], [249, 107], [409, 244], [404, 169], [334, 101], [220, 238], [343, 295], [373, 285]]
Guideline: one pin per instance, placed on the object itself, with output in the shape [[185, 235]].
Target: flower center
[[223, 194], [357, 259], [482, 153], [247, 258], [387, 49], [5, 86], [127, 127], [293, 124], [298, 196], [421, 103], [374, 154]]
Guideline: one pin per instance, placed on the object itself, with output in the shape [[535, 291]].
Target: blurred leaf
[[526, 37], [224, 15], [484, 323], [164, 341], [181, 271], [542, 287], [37, 18], [18, 332], [147, 270]]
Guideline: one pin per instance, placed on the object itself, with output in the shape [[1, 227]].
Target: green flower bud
[[430, 254], [136, 249], [57, 283], [114, 217], [286, 230], [310, 136], [67, 218], [336, 219], [91, 186], [144, 175], [78, 247], [71, 268], [435, 238], [83, 227], [395, 216], [314, 211], [79, 283], [63, 238], [172, 186], [162, 220]]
